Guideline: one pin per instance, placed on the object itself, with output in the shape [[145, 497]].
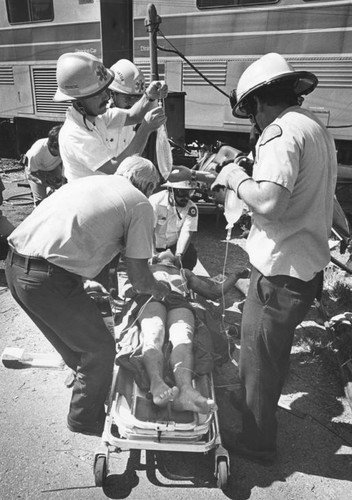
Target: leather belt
[[28, 262]]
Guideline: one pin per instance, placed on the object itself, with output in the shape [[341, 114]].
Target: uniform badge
[[192, 212], [270, 133]]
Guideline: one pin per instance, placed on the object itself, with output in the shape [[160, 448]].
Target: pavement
[[41, 459]]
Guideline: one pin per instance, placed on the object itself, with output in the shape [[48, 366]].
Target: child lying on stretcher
[[174, 317]]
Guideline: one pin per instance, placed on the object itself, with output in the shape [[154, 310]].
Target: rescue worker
[[128, 85], [176, 219], [90, 137], [291, 197], [44, 166], [126, 89], [73, 234]]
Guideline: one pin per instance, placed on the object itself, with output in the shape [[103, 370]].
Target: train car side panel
[[314, 36]]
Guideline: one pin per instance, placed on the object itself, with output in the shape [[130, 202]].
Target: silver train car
[[219, 37]]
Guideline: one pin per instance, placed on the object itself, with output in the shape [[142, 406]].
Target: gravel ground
[[40, 458]]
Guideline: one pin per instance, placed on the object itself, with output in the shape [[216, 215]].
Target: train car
[[222, 37], [219, 37]]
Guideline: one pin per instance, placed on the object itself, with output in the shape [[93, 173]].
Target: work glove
[[231, 176]]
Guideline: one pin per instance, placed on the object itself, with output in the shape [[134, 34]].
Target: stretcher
[[134, 422]]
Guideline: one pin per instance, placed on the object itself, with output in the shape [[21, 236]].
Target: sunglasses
[[248, 107], [243, 106], [184, 193]]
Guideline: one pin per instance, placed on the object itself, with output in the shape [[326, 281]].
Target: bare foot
[[162, 394], [189, 399]]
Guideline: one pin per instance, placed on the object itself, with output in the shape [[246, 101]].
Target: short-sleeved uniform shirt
[[171, 220], [40, 158], [126, 136], [297, 152], [86, 223], [84, 148]]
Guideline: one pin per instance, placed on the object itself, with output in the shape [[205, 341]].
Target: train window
[[26, 11], [216, 4]]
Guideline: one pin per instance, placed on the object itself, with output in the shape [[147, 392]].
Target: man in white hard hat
[[290, 194], [74, 233], [176, 219], [128, 85], [126, 89], [89, 139]]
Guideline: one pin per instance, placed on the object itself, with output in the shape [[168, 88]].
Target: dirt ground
[[41, 459]]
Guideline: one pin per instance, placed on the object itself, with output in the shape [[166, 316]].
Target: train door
[[23, 90], [15, 90]]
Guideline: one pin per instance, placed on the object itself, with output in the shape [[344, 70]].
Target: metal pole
[[152, 22]]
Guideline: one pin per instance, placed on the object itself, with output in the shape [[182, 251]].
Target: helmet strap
[[79, 107], [172, 200], [82, 111], [254, 120], [253, 112]]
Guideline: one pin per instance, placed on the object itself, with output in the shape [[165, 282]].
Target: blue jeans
[[274, 307], [57, 303]]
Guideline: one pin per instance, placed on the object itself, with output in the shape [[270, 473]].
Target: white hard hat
[[79, 75], [181, 185], [269, 69], [128, 78]]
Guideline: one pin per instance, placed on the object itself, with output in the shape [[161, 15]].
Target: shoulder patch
[[270, 133], [192, 212]]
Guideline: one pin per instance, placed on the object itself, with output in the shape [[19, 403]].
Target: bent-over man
[[72, 235]]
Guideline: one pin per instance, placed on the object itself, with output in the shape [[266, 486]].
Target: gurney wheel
[[100, 470], [222, 474]]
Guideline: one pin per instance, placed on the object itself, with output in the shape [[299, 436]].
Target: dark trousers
[[274, 307], [57, 303], [108, 277]]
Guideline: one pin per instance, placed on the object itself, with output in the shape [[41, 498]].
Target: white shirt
[[297, 152], [40, 158], [84, 148], [126, 136], [170, 220], [86, 223]]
